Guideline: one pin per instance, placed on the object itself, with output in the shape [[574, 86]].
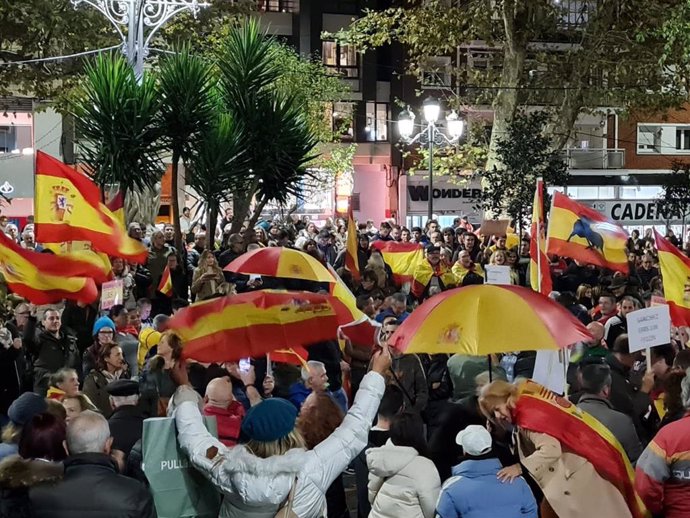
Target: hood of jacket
[[389, 460], [16, 472], [477, 468]]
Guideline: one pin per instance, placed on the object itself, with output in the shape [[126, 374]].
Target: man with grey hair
[[91, 485], [662, 477], [595, 380], [314, 379]]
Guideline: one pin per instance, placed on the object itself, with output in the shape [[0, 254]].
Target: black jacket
[[17, 477], [90, 488], [50, 353], [126, 427]]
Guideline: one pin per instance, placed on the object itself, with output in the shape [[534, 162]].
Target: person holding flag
[[579, 465]]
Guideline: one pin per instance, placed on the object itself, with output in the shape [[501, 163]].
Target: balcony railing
[[594, 158]]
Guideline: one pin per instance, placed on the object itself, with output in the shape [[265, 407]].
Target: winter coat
[[662, 477], [92, 487], [569, 482], [12, 376], [401, 483], [50, 353], [298, 394], [126, 427], [255, 487], [17, 477], [619, 424], [228, 420], [410, 377], [474, 491], [94, 387]]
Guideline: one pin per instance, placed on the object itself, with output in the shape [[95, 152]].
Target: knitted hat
[[26, 406], [102, 323], [270, 420]]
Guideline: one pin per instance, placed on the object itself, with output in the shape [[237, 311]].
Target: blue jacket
[[474, 492], [298, 393]]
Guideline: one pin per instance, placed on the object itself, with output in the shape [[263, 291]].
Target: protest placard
[[649, 327], [112, 293], [497, 274]]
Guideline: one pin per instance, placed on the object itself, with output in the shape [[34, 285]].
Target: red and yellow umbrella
[[277, 261], [485, 319], [255, 323]]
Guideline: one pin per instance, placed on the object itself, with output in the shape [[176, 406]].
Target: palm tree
[[277, 137], [186, 81], [115, 118], [218, 156]]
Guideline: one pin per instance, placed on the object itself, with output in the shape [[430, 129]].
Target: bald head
[[596, 329], [219, 392]]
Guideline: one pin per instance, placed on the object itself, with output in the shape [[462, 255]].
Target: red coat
[[229, 421]]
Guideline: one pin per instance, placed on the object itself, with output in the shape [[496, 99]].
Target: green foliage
[[116, 119], [526, 154], [676, 197]]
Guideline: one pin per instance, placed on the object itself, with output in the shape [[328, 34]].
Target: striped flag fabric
[[166, 285], [403, 258], [351, 260], [293, 356], [68, 208], [539, 270], [583, 234], [675, 273], [116, 205], [46, 278]]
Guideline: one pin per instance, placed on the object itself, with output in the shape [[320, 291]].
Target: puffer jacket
[[17, 477], [255, 487], [401, 483]]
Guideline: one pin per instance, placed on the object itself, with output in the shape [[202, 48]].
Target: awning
[[17, 207]]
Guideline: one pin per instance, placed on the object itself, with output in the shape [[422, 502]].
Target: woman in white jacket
[[403, 483], [256, 478]]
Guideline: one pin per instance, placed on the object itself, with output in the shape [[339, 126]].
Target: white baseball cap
[[475, 440]]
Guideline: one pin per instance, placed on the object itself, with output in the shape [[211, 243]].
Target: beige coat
[[570, 483]]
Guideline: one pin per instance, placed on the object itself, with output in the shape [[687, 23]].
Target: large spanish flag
[[675, 272], [45, 278], [539, 268], [540, 410], [582, 233], [166, 285], [403, 258], [116, 205], [255, 323], [68, 208], [351, 260]]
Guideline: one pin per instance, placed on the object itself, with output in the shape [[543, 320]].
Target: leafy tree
[[186, 83], [676, 198], [598, 55], [279, 142], [525, 153], [116, 118], [219, 153]]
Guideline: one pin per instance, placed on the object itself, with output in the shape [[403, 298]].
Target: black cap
[[123, 388]]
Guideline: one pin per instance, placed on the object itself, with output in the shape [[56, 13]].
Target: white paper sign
[[649, 327], [112, 293], [497, 274], [550, 369]]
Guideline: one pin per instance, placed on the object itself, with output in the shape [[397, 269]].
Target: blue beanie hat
[[25, 407], [102, 323], [270, 420]]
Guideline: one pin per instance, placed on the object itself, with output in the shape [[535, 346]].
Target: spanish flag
[[539, 270], [583, 234], [675, 273], [82, 251], [540, 410], [293, 356], [403, 258], [45, 278], [351, 260], [360, 329], [117, 206], [166, 285], [255, 323], [68, 208]]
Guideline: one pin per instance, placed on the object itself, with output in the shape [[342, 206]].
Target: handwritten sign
[[494, 227], [649, 327], [497, 274], [112, 293]]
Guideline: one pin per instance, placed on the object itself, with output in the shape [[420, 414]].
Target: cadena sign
[[635, 212]]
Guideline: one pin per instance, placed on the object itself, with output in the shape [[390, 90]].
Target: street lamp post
[[431, 135], [142, 18]]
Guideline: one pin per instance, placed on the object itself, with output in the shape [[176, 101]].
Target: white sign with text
[[649, 327], [497, 274]]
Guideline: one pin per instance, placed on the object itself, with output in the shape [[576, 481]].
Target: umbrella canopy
[[277, 261], [253, 324], [484, 319]]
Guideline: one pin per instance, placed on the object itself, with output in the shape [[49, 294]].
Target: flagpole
[[540, 216]]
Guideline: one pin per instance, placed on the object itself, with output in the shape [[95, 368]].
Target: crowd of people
[[420, 435]]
